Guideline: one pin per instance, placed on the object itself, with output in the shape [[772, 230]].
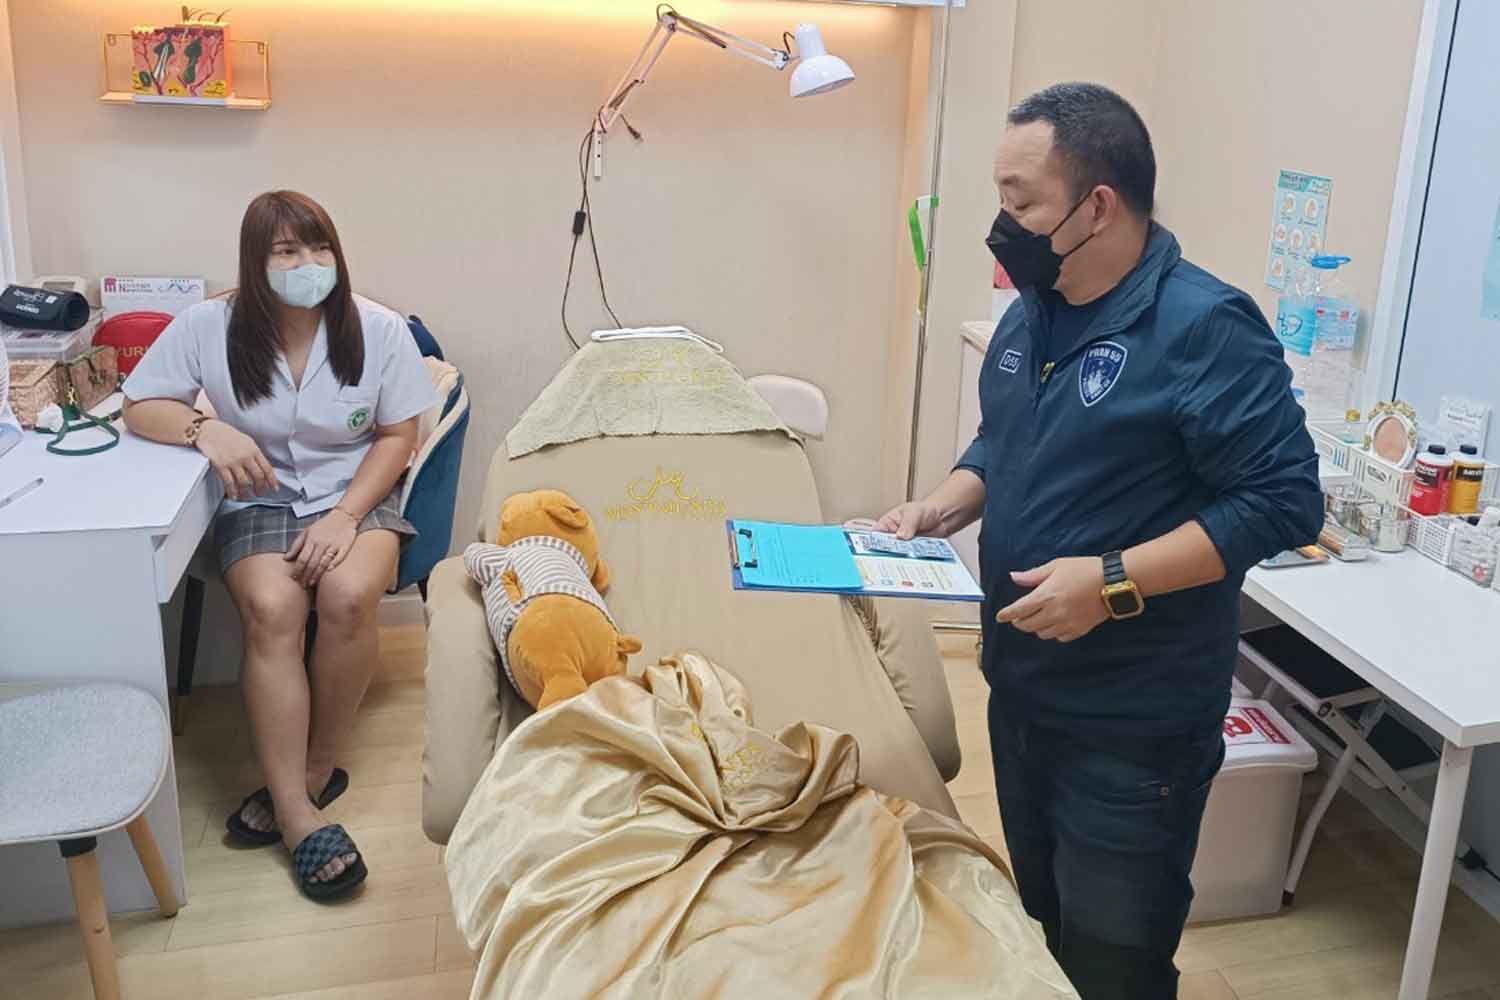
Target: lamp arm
[[668, 24], [745, 48], [635, 76]]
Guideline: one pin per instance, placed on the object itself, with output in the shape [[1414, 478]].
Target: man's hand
[[1067, 602], [912, 519]]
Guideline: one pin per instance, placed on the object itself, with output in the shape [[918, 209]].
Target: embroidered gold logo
[[741, 767], [672, 365], [665, 494]]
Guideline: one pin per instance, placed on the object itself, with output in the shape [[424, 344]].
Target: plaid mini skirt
[[250, 531]]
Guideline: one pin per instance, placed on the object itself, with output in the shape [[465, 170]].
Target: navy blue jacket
[[1174, 404]]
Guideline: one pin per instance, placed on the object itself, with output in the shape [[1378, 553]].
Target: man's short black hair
[[1098, 137]]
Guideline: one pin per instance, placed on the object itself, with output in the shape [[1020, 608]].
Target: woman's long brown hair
[[253, 337]]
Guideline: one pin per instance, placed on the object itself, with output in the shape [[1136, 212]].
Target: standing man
[[1139, 450]]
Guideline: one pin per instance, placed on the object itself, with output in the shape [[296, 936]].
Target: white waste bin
[[1246, 840]]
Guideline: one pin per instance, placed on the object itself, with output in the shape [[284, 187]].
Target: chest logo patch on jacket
[[1010, 362], [1101, 368]]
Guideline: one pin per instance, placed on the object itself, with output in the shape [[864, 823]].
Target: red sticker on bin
[[1246, 724]]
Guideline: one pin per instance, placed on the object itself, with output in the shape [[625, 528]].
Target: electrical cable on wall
[[818, 72], [583, 222]]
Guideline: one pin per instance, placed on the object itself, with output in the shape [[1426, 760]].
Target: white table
[[1430, 642], [84, 563]]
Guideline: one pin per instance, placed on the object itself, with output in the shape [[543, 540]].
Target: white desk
[[84, 563], [1446, 673]]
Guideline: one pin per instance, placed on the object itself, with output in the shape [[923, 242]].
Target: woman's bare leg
[[348, 646], [273, 612]]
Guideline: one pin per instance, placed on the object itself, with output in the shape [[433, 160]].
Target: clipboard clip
[[734, 549]]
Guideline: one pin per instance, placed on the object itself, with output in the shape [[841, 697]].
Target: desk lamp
[[817, 72]]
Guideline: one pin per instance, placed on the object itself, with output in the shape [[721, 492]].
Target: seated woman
[[316, 393]]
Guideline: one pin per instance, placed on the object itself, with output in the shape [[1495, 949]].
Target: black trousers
[[1102, 846]]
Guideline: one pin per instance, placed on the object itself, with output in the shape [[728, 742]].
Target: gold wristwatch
[[1121, 597]]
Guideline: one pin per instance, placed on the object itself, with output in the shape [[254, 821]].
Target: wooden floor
[[248, 933]]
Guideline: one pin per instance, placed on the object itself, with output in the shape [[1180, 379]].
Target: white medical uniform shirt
[[314, 436]]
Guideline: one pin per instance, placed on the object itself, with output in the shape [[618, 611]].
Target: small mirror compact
[[1392, 433]]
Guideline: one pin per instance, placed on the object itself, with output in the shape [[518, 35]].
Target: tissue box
[[184, 63]]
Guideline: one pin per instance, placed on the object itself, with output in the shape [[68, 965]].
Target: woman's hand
[[237, 459], [323, 546]]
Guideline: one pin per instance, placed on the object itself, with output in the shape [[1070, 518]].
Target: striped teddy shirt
[[543, 565]]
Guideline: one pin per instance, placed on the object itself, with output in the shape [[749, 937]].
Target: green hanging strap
[[75, 419]]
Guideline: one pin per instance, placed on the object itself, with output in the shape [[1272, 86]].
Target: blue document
[[795, 557], [832, 560]]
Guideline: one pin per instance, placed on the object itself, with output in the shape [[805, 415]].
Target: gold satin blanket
[[645, 840]]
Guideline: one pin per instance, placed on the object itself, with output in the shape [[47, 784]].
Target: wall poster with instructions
[[1299, 223]]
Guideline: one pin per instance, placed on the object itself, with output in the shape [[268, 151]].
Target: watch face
[[1125, 602]]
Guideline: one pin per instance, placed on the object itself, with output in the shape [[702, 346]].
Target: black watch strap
[[1114, 568]]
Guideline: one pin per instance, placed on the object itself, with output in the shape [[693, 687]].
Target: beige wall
[[979, 90], [1113, 42], [1227, 112], [442, 137], [1220, 89]]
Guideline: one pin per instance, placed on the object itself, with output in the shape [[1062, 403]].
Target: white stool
[[81, 760]]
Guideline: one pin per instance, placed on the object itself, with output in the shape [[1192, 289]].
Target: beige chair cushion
[[660, 504]]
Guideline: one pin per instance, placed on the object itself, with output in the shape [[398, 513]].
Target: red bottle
[[1433, 475]]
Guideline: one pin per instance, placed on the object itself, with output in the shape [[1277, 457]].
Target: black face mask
[[1028, 258]]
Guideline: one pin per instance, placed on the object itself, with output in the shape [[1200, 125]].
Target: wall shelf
[[115, 93], [231, 103]]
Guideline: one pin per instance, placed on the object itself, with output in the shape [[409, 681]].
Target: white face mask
[[305, 287]]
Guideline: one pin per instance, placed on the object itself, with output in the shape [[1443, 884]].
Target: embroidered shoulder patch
[[1101, 368]]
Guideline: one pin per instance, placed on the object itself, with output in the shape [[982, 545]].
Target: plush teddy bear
[[542, 587]]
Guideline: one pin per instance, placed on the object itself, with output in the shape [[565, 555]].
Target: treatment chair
[[659, 500], [427, 501]]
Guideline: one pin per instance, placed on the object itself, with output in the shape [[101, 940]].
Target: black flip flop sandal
[[244, 833], [313, 855]]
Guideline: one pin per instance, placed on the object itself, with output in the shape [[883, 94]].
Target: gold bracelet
[[190, 435], [350, 516]]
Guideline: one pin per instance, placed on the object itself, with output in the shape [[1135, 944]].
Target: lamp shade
[[817, 72]]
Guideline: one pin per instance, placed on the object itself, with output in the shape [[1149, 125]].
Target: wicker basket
[[36, 385]]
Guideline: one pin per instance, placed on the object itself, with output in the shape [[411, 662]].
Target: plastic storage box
[[1246, 839], [49, 345]]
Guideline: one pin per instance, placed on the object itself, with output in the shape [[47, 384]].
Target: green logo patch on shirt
[[359, 418]]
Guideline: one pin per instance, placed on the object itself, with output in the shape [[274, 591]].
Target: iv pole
[[926, 293], [925, 302]]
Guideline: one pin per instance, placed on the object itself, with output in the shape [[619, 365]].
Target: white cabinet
[[976, 340]]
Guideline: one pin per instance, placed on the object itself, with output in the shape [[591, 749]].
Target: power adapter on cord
[[583, 221]]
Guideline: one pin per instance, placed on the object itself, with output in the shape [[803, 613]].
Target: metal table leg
[[1437, 868]]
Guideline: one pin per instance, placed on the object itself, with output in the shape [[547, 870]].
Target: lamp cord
[[583, 222]]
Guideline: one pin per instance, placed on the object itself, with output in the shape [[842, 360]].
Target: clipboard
[[792, 557]]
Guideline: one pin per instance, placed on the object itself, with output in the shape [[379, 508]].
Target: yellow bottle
[[1468, 478]]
